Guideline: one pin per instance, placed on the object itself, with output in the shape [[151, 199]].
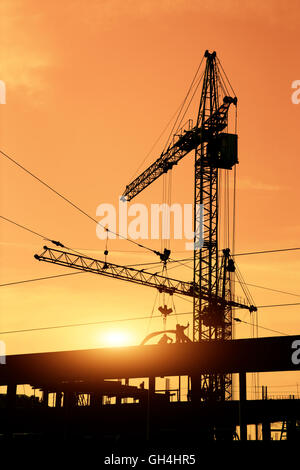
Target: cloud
[[257, 185], [105, 12], [23, 60]]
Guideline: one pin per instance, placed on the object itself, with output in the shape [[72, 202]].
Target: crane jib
[[162, 283], [183, 144]]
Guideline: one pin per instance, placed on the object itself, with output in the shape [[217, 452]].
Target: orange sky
[[90, 86]]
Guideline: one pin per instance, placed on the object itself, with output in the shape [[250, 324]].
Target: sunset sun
[[117, 338]]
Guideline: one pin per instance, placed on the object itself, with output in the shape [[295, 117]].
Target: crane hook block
[[165, 255], [231, 266]]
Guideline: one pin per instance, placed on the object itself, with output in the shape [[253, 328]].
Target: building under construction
[[95, 393]]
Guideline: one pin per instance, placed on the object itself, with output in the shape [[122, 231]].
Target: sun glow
[[117, 338]]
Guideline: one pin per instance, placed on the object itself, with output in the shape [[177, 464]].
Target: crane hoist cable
[[192, 85], [151, 314], [157, 297], [187, 108], [244, 286], [219, 63]]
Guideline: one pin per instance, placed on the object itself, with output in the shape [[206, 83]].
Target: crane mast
[[212, 321], [214, 150]]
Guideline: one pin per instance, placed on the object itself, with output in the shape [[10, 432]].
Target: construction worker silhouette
[[180, 336], [165, 339]]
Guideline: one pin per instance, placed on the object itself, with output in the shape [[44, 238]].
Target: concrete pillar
[[58, 399], [266, 431], [45, 398], [118, 400], [96, 399], [151, 385], [242, 403], [70, 400], [11, 396], [195, 389], [291, 431], [69, 403], [149, 419]]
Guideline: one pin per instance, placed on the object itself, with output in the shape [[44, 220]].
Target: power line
[[269, 288], [266, 251], [73, 204], [250, 253], [150, 266], [38, 279], [259, 326], [278, 305], [258, 306], [124, 320], [55, 242], [25, 228], [84, 324], [241, 282]]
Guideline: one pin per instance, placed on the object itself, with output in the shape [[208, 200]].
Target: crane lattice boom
[[125, 273], [183, 142]]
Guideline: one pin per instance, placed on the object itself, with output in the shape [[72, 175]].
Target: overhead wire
[[73, 204], [38, 279], [71, 325], [279, 305], [55, 242], [149, 266], [265, 251], [260, 326], [132, 241], [154, 264], [25, 228]]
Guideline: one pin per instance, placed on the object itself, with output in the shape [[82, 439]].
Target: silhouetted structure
[[73, 375]]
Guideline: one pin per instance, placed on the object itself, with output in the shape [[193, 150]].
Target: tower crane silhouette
[[214, 149]]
